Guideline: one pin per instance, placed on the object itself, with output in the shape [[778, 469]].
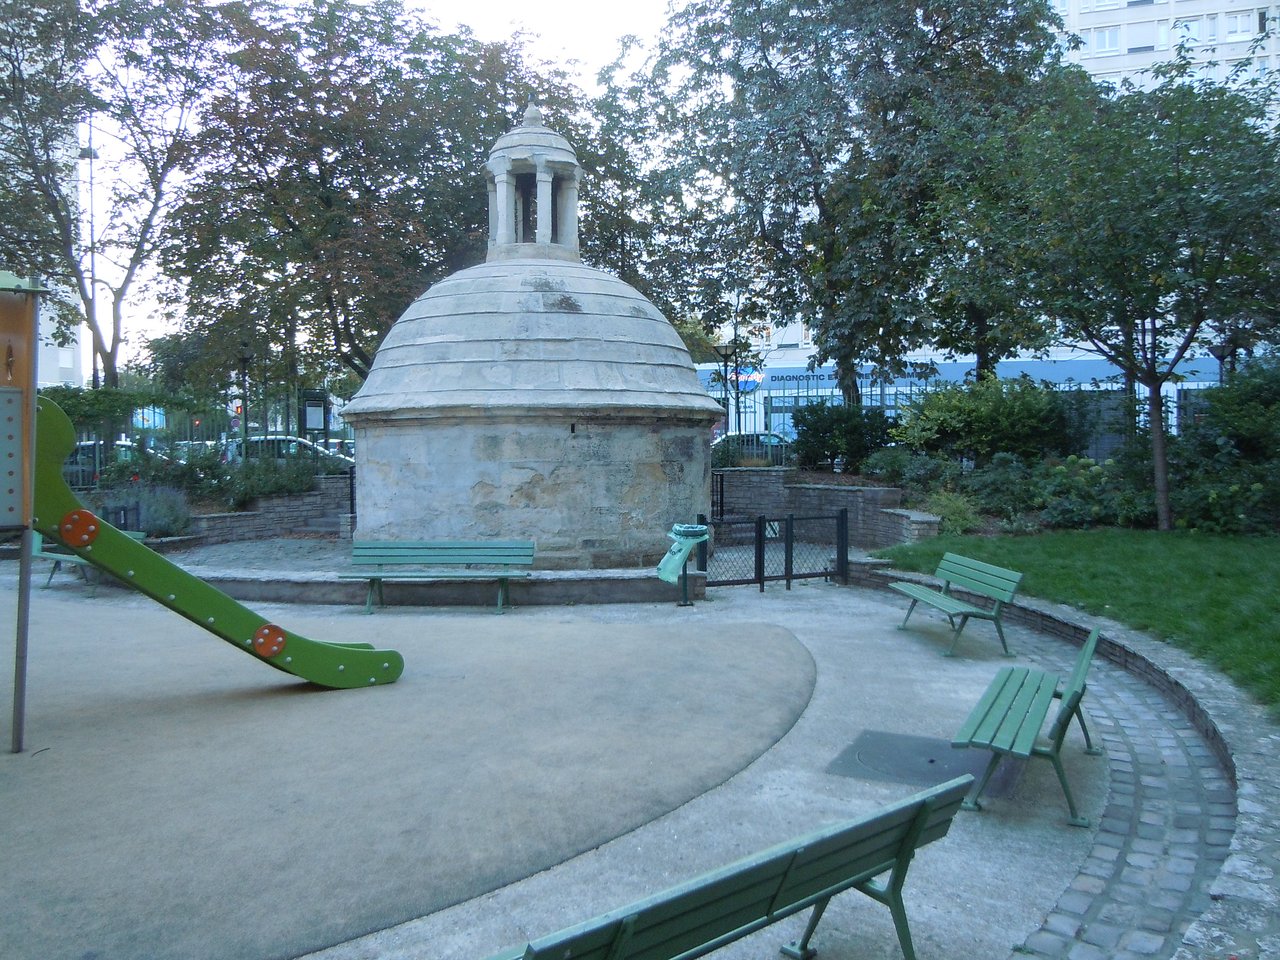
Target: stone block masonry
[[876, 516], [274, 516]]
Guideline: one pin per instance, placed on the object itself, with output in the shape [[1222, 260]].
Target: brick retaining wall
[[270, 516], [876, 516]]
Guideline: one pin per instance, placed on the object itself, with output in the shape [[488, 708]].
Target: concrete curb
[[1244, 918]]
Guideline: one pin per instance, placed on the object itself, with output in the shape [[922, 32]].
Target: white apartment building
[[1122, 38], [55, 365]]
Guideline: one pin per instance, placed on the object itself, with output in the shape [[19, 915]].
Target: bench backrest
[[719, 907], [1073, 691], [977, 577], [442, 552]]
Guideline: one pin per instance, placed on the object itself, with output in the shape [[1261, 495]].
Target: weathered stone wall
[[591, 492], [876, 517], [272, 516]]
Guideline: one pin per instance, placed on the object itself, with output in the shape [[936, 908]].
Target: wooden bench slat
[[1005, 689], [378, 561], [972, 576], [1034, 700], [696, 917], [1009, 716]]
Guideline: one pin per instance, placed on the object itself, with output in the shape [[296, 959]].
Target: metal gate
[[786, 548]]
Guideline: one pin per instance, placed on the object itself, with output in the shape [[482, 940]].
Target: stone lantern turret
[[533, 176]]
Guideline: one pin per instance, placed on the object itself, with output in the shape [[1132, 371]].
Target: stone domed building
[[533, 397]]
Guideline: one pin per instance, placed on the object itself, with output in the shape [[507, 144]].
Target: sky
[[587, 31]]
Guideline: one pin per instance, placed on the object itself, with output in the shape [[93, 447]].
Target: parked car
[[344, 448], [764, 446], [283, 447], [84, 466]]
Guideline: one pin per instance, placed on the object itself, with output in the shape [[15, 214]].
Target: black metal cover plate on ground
[[905, 758]]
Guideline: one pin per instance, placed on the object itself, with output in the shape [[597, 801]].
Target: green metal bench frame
[[40, 550], [1008, 718], [975, 577], [434, 560], [699, 916]]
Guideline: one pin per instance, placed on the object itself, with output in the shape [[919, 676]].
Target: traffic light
[[239, 408]]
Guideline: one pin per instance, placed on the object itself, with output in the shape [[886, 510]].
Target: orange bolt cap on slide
[[79, 528], [269, 640]]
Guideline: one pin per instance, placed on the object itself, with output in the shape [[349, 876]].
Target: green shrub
[[250, 479], [976, 421], [162, 511], [1003, 488], [919, 475], [1225, 468], [828, 431], [955, 511]]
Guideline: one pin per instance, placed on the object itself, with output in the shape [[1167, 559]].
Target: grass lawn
[[1217, 597]]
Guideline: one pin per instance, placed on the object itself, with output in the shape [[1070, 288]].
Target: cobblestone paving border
[[1186, 858]]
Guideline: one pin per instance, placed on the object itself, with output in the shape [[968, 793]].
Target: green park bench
[[1008, 718], [433, 560], [52, 550], [974, 577], [722, 906]]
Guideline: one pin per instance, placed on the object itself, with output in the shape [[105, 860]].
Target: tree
[[1158, 223], [818, 122], [339, 174], [133, 72]]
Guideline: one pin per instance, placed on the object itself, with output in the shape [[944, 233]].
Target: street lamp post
[[244, 358], [726, 351], [89, 153]]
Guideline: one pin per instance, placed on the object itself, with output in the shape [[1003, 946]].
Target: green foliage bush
[[918, 474], [1002, 488], [956, 512], [157, 510], [205, 477], [828, 431], [250, 479], [976, 421], [163, 511], [1225, 468]]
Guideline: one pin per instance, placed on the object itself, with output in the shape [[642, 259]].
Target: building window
[[1196, 30], [1103, 41], [1247, 23], [1141, 37], [1106, 4]]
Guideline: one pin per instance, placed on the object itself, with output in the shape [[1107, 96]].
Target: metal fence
[[786, 548]]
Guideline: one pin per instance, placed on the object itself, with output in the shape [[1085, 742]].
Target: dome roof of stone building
[[526, 336], [532, 136]]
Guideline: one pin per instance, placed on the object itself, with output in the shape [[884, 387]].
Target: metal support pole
[[20, 645], [842, 545], [701, 565], [760, 525], [789, 548]]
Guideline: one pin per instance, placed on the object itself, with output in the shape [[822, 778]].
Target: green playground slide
[[61, 516]]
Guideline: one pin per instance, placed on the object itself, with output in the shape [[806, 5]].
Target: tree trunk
[[847, 381], [1159, 457], [980, 334]]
